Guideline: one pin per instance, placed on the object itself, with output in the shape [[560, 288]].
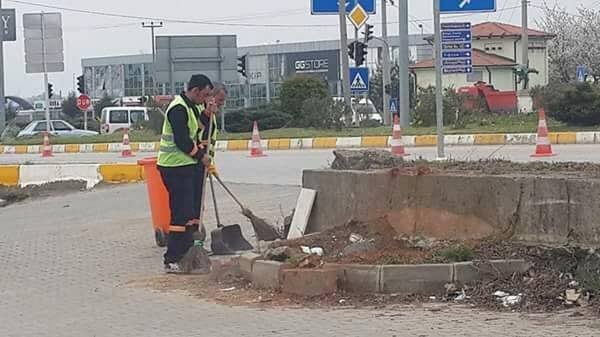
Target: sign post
[[461, 56], [83, 103], [8, 32]]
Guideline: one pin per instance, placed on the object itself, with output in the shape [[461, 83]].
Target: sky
[[93, 35]]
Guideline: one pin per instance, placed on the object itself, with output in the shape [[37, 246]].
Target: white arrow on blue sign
[[331, 7], [467, 6]]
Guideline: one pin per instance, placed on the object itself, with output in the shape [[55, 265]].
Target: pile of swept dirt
[[381, 159]]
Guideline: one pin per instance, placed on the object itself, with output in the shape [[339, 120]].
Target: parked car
[[118, 118], [57, 128]]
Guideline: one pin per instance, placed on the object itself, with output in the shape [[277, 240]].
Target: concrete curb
[[371, 279], [92, 174], [588, 137]]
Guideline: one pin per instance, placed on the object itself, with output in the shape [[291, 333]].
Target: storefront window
[[133, 80]]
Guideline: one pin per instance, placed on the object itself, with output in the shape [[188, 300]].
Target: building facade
[[496, 52], [267, 67]]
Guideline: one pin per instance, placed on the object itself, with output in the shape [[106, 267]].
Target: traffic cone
[[397, 146], [47, 149], [256, 148], [543, 146], [126, 149]]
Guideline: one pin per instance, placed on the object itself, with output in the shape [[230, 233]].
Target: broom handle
[[205, 172], [214, 197], [229, 192]]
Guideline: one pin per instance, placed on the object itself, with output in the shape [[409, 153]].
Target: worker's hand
[[212, 169], [206, 160]]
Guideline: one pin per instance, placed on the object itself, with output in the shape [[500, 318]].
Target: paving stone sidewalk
[[67, 261]]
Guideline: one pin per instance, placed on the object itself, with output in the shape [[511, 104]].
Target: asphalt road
[[285, 167], [73, 265]]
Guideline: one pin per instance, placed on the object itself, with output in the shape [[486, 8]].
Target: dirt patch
[[15, 194], [381, 159]]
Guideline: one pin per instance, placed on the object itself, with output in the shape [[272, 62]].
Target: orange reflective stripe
[[177, 229]]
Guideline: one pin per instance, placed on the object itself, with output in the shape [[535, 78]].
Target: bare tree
[[565, 50]]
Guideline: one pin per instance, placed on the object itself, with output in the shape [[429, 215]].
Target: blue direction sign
[[359, 80], [467, 6], [457, 48], [580, 74], [330, 7]]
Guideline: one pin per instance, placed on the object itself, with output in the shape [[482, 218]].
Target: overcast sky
[[90, 35]]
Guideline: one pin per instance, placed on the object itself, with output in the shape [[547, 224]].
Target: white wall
[[502, 78]]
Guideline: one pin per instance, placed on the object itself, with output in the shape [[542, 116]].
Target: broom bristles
[[263, 230]]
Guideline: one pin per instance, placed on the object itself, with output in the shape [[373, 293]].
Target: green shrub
[[573, 103], [458, 253], [268, 117], [424, 115], [296, 90], [321, 113]]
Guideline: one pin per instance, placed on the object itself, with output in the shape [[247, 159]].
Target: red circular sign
[[84, 102]]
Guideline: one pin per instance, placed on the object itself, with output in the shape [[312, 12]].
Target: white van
[[117, 118]]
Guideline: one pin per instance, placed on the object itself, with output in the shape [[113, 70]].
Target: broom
[[196, 259], [263, 230]]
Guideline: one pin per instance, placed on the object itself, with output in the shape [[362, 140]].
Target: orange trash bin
[[159, 200]]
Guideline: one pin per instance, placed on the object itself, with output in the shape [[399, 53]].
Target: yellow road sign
[[358, 16]]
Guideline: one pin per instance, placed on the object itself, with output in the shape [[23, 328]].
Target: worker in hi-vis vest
[[182, 160], [208, 121]]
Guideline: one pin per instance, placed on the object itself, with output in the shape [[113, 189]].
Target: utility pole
[[525, 37], [46, 88], [345, 73], [2, 93], [439, 99], [404, 97], [153, 25], [387, 119]]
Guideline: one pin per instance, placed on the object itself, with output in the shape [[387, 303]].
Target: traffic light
[[81, 84], [361, 53], [50, 90], [242, 65], [352, 50], [368, 33]]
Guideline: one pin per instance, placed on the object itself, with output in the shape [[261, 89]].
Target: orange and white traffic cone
[[47, 149], [397, 146], [256, 147], [543, 146], [126, 148]]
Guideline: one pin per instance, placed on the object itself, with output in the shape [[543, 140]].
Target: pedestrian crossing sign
[[393, 105], [359, 80]]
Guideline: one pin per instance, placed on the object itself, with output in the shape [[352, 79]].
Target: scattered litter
[[3, 202], [509, 301], [576, 314], [317, 251], [573, 284], [312, 251], [356, 238], [342, 301], [500, 294], [226, 290], [433, 298], [463, 296], [572, 295]]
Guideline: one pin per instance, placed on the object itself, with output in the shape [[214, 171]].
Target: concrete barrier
[[42, 174], [526, 207]]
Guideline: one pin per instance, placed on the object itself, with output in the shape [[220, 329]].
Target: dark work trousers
[[184, 185]]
